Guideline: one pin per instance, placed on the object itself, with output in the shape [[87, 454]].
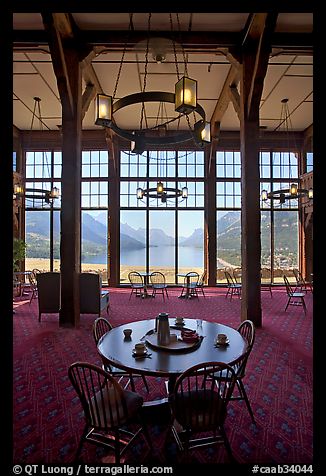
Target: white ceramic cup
[[127, 333], [221, 338], [140, 348]]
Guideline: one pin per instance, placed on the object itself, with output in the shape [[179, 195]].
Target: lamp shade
[[185, 95], [310, 193], [294, 189], [103, 110], [206, 133], [140, 193], [159, 187], [264, 195]]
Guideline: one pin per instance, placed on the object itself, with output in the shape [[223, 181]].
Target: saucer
[[222, 343], [139, 354], [179, 323]]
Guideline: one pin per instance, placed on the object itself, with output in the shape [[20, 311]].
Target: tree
[[19, 251]]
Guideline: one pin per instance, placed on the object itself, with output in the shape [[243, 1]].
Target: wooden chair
[[237, 275], [100, 327], [247, 330], [33, 284], [48, 292], [201, 282], [295, 298], [109, 410], [190, 282], [137, 284], [158, 283], [266, 280], [302, 284], [233, 287], [199, 406]]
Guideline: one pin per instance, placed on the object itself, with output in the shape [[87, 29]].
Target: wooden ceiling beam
[[199, 40], [258, 39]]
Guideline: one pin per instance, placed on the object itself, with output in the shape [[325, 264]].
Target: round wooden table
[[117, 350]]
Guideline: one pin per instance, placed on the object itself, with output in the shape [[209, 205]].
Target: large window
[[94, 218], [228, 211], [279, 222], [169, 235], [42, 221]]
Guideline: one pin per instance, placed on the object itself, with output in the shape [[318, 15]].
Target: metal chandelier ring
[[152, 96]]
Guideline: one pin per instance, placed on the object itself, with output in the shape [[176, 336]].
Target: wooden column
[[70, 196], [114, 212], [210, 215], [256, 48], [250, 220]]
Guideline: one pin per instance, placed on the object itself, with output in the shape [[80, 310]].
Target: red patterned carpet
[[48, 419]]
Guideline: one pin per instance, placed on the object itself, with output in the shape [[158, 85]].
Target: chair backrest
[[229, 278], [298, 277], [135, 278], [48, 290], [101, 396], [191, 278], [202, 279], [157, 278], [237, 273], [198, 402], [90, 293], [247, 330], [288, 286], [100, 327], [32, 280]]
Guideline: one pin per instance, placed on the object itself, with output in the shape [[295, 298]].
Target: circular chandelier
[[293, 192], [184, 99]]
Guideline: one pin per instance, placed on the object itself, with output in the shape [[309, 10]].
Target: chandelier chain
[[145, 71]]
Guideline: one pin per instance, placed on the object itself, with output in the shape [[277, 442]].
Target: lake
[[158, 256], [189, 257]]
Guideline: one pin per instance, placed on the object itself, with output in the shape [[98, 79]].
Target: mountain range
[[94, 233]]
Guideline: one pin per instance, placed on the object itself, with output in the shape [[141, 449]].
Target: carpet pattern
[[48, 419]]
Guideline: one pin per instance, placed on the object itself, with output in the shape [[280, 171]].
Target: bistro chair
[[33, 284], [295, 298], [232, 286], [199, 406], [137, 284], [201, 282], [237, 275], [100, 327], [190, 284], [266, 280], [109, 410], [247, 330], [302, 284], [158, 284]]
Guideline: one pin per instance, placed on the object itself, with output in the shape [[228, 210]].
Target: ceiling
[[289, 74]]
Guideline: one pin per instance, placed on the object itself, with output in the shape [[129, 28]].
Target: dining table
[[117, 350]]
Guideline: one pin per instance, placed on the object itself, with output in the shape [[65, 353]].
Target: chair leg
[[132, 383], [244, 395], [288, 303], [80, 445], [227, 445], [304, 305], [145, 383]]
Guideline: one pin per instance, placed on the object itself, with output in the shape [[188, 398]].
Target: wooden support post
[[210, 215], [70, 196], [114, 214]]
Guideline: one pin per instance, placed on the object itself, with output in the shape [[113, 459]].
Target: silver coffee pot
[[163, 329]]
